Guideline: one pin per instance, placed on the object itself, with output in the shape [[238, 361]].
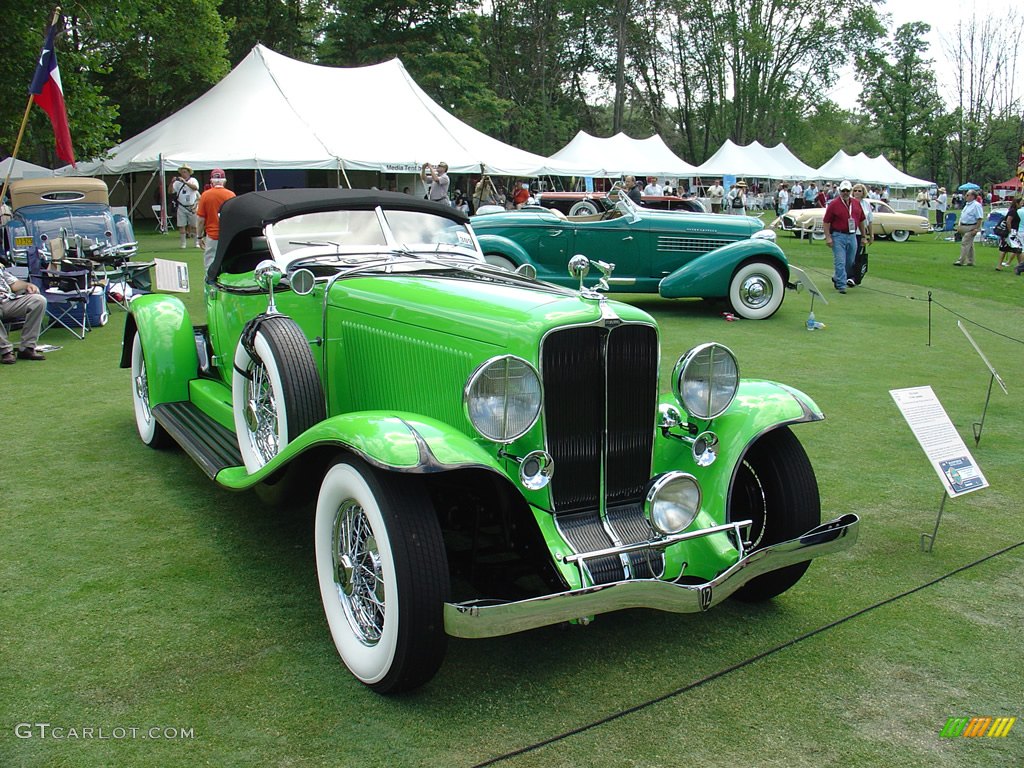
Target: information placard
[[939, 440]]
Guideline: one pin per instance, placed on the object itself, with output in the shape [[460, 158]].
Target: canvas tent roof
[[1011, 183], [22, 170], [272, 112], [869, 170], [621, 155], [755, 160]]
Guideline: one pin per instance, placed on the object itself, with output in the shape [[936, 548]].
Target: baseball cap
[[845, 184], [217, 173]]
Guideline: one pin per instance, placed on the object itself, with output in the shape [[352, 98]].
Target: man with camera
[[435, 178], [185, 195]]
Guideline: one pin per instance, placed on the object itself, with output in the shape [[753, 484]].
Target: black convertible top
[[243, 217]]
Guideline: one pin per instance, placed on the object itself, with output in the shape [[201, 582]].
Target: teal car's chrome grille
[[686, 244]]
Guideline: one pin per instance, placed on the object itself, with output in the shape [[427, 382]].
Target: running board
[[211, 445]]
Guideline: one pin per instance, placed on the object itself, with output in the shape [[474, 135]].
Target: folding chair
[[987, 236], [66, 294], [159, 220], [948, 227]]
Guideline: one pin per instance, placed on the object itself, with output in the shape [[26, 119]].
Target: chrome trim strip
[[662, 543], [476, 619]]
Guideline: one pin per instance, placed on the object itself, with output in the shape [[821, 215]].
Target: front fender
[[400, 442], [168, 343], [709, 275], [759, 407], [503, 246]]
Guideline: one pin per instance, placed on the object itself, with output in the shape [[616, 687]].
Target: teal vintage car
[[488, 452], [675, 254]]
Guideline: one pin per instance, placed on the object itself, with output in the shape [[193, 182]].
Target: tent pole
[[163, 194], [348, 183]]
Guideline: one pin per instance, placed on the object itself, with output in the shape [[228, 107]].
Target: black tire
[[276, 391], [149, 429], [383, 575], [776, 488], [756, 290]]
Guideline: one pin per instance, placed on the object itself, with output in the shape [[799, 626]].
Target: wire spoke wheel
[[358, 574]]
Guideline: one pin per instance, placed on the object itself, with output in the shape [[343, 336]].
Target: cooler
[[96, 309]]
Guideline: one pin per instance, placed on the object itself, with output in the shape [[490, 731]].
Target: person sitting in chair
[[19, 298]]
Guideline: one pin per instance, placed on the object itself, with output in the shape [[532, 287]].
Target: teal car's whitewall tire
[[756, 290], [500, 261], [383, 575]]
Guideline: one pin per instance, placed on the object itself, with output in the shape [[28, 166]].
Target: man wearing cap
[[185, 193], [941, 203], [843, 220], [209, 214]]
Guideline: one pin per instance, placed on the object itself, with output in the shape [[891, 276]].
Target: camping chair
[[66, 294], [948, 227], [987, 236]]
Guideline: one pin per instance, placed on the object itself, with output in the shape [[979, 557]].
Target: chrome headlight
[[705, 380], [765, 234], [503, 398], [672, 501]]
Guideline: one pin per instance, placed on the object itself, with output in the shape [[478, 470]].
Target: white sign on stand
[[943, 446], [939, 440]]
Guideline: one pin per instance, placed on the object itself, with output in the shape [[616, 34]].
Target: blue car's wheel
[[756, 290]]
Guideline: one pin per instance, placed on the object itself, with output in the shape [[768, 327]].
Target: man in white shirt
[[798, 195], [716, 193], [653, 187], [19, 298], [970, 222]]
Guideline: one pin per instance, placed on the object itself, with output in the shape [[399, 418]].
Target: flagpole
[[24, 122]]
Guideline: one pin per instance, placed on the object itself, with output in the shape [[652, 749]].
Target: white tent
[[273, 112], [622, 155], [755, 160], [868, 170], [22, 170]]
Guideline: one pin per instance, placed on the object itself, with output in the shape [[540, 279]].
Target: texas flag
[[48, 93]]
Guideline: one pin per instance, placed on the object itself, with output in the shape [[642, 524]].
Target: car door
[[620, 241]]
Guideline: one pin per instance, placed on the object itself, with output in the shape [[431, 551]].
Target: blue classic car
[[671, 253], [57, 216]]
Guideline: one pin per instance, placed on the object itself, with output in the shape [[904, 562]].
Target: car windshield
[[365, 232]]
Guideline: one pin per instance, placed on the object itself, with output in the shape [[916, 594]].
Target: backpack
[[737, 202]]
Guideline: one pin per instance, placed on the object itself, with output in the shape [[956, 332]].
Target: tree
[[157, 57], [737, 62], [436, 40], [92, 116], [899, 91], [984, 55], [289, 27]]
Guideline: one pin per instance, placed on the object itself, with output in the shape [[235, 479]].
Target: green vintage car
[[675, 254], [488, 453]]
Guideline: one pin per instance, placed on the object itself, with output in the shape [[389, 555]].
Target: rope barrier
[[740, 665]]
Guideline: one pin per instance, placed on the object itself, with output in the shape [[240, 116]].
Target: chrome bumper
[[488, 619]]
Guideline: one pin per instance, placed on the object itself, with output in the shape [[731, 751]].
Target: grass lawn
[[134, 593]]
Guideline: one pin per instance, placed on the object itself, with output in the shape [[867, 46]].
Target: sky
[[942, 15]]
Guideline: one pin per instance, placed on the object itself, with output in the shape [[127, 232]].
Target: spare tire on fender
[[275, 388]]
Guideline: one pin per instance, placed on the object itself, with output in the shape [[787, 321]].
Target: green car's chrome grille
[[685, 244], [600, 390]]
